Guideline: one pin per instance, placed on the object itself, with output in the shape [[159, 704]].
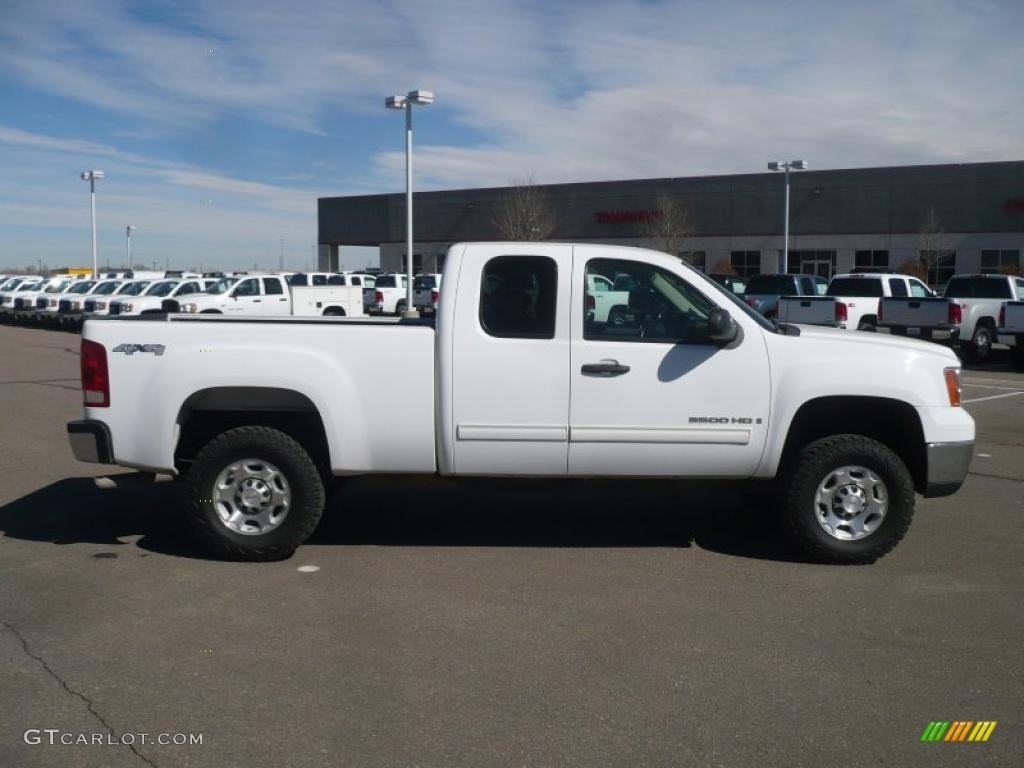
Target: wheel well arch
[[212, 411], [334, 311], [894, 423], [987, 321]]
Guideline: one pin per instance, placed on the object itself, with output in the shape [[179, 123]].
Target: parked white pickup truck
[[426, 293], [22, 287], [515, 381], [25, 301], [150, 300], [388, 296], [1011, 330], [969, 313], [851, 301], [270, 296]]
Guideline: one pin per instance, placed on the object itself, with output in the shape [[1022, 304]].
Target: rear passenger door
[[275, 298], [510, 361]]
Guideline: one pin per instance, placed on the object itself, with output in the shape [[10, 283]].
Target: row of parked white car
[[67, 300], [975, 312]]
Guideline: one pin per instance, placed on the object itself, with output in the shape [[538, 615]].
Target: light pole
[[406, 103], [796, 165], [128, 242], [280, 261], [92, 177]]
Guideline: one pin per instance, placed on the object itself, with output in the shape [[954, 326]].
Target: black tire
[[811, 466], [979, 348], [400, 308], [617, 316], [211, 312], [271, 445]]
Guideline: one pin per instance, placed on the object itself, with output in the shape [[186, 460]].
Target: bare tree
[[935, 244], [723, 267], [668, 225], [524, 213]]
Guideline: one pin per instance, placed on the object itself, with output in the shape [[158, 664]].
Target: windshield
[[82, 287], [133, 289], [770, 284], [29, 286], [978, 288], [222, 285], [57, 287], [11, 284], [161, 289], [105, 289], [855, 286]]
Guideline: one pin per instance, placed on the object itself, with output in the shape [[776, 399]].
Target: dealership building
[[839, 219]]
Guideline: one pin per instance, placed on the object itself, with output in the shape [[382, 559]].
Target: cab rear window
[[855, 286], [979, 288]]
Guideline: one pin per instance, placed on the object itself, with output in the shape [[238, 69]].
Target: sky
[[218, 124]]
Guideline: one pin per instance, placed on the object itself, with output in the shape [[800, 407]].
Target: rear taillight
[[434, 296], [378, 297], [955, 316], [1002, 316], [95, 378], [751, 302], [841, 312], [590, 302]]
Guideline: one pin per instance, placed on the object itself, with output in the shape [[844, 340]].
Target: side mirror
[[722, 329]]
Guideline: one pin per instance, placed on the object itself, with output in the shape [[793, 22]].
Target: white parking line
[[972, 380], [992, 397], [992, 386]]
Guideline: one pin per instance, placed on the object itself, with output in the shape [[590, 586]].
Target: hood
[[864, 339]]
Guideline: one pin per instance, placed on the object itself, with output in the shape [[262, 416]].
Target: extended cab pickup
[[388, 295], [426, 293], [516, 380], [851, 301], [969, 313], [270, 296]]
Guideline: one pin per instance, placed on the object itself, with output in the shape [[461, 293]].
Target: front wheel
[[847, 499], [253, 493]]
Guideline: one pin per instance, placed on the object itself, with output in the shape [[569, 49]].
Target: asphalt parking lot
[[576, 624]]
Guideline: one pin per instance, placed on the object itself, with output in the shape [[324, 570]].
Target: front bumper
[[947, 467], [90, 441]]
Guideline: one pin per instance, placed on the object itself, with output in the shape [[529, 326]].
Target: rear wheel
[[979, 350], [847, 499], [400, 308], [866, 325], [253, 493]]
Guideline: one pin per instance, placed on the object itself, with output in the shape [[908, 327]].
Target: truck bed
[[371, 380]]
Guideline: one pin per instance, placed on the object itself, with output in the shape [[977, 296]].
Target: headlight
[[76, 306], [126, 306], [101, 305], [190, 307], [51, 303]]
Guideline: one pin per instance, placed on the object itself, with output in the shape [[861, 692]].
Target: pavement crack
[[998, 477], [72, 692]]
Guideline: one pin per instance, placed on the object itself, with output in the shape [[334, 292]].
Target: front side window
[[919, 290], [647, 304], [518, 297], [250, 287], [272, 286], [317, 280]]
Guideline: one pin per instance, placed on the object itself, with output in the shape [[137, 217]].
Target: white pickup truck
[[388, 296], [269, 295], [13, 289], [150, 299], [515, 381], [851, 301], [426, 293], [969, 312], [1011, 330]]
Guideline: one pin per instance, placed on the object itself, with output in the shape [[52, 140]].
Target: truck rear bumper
[[90, 441], [947, 467]]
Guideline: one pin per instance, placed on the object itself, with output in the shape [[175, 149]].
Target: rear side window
[[272, 286], [300, 280], [855, 286], [897, 287], [319, 280], [338, 280], [518, 296]]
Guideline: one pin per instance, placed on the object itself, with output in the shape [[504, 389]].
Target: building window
[[696, 259], [746, 263], [941, 266], [417, 263], [871, 259], [1000, 262], [821, 263]]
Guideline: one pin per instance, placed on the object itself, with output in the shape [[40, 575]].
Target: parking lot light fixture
[[92, 177], [786, 166], [422, 98]]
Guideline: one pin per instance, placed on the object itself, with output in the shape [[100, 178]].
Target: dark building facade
[[839, 219]]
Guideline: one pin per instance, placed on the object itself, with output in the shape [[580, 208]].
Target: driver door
[[652, 395], [245, 297]]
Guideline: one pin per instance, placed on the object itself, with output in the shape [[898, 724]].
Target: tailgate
[[916, 313], [1013, 317], [808, 310]]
